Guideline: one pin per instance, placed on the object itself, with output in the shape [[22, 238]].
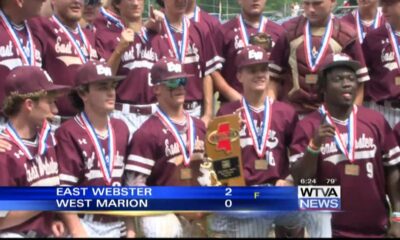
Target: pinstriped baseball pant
[[392, 115]]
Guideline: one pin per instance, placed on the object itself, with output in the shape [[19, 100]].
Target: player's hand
[[4, 145], [325, 130], [126, 38], [155, 20], [283, 183], [58, 228], [206, 119], [130, 234], [394, 230]]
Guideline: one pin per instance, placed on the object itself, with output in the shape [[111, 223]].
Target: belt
[[99, 218], [190, 105], [390, 103], [142, 110]]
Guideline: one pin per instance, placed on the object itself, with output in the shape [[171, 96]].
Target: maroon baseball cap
[[167, 69], [30, 79], [251, 55], [339, 59], [94, 71]]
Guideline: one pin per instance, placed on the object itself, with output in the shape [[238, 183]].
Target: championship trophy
[[223, 151]]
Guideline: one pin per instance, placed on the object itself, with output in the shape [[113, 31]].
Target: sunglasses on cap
[[92, 2], [175, 83]]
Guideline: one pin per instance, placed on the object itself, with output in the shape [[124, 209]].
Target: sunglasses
[[92, 2], [175, 83]]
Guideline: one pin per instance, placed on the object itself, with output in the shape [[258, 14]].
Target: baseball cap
[[30, 79], [339, 59], [167, 69], [251, 55], [94, 71]]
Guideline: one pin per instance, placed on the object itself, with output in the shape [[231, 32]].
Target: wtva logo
[[319, 198]]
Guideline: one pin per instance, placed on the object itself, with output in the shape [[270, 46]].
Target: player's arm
[[306, 166], [224, 88], [73, 224], [359, 94], [126, 38], [15, 218], [393, 180], [208, 99]]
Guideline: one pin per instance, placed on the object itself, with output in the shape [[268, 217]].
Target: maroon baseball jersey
[[79, 164], [206, 21], [60, 59], [228, 42], [107, 36], [383, 69], [9, 57], [201, 58], [283, 121], [154, 152], [18, 171], [351, 20], [363, 202], [289, 54]]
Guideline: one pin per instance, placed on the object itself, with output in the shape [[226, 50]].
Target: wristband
[[313, 146], [312, 151]]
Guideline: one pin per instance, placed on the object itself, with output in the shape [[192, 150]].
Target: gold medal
[[186, 174], [352, 169], [261, 164], [311, 78], [397, 80]]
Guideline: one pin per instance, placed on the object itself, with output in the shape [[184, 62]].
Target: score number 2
[[228, 193]]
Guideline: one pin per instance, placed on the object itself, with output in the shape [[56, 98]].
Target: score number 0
[[228, 193]]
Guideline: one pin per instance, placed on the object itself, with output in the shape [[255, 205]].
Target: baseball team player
[[266, 128], [309, 39], [167, 150], [31, 161], [92, 147], [351, 146], [66, 45], [365, 18], [382, 56], [17, 36], [193, 46], [235, 35], [122, 37]]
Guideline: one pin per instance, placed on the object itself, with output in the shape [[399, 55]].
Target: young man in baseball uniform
[[31, 161], [382, 55], [92, 147], [309, 39], [365, 18], [353, 147], [167, 150]]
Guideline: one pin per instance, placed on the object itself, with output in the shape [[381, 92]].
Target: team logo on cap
[[340, 57], [256, 55], [174, 67], [102, 70]]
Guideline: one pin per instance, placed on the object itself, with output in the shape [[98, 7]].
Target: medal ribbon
[[243, 30], [311, 61], [44, 133], [112, 18], [106, 166], [191, 134], [179, 53], [27, 57], [394, 42], [360, 28], [196, 14], [74, 42], [349, 150], [259, 138]]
